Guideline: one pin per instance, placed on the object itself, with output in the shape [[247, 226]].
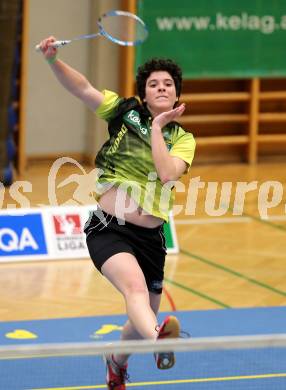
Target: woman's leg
[[123, 271], [130, 333]]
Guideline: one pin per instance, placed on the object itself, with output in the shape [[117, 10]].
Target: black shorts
[[107, 235]]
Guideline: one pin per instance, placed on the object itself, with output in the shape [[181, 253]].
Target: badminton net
[[234, 362]]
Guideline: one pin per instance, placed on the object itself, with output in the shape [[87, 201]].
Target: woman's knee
[[133, 287]]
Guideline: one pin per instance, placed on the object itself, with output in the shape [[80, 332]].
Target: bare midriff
[[118, 203]]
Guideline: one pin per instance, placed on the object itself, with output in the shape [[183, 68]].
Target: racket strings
[[124, 29]]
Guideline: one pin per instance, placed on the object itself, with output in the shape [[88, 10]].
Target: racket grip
[[60, 43], [56, 44]]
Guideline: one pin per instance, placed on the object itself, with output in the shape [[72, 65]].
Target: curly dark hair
[[154, 65]]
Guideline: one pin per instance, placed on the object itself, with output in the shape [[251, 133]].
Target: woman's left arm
[[168, 168]]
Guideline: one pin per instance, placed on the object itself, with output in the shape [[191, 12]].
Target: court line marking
[[267, 221], [170, 299], [176, 381], [198, 293], [235, 273], [244, 219], [211, 220]]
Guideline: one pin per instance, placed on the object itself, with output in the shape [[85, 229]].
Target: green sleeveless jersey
[[125, 160]]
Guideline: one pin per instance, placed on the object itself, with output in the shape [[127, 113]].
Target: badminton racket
[[121, 27]]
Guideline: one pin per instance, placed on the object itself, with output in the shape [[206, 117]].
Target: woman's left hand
[[164, 118]]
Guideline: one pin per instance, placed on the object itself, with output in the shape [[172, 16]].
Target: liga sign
[[53, 233]]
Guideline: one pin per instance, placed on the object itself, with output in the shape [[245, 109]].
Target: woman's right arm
[[72, 80]]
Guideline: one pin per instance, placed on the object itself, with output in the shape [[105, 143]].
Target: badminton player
[[147, 151]]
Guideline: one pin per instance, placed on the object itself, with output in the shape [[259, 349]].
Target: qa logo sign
[[22, 235]]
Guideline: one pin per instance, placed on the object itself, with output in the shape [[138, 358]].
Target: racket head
[[123, 28]]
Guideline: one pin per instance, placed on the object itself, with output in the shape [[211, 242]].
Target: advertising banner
[[52, 233], [214, 38]]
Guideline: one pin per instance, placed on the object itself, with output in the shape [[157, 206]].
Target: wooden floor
[[225, 261]]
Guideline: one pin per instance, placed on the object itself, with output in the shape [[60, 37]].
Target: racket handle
[[56, 44], [61, 43]]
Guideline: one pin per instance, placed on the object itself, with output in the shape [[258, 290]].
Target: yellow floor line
[[172, 382]]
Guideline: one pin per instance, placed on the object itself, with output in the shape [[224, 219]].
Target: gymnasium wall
[[9, 87], [56, 123]]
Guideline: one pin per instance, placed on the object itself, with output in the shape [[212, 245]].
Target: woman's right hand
[[166, 117], [47, 49]]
